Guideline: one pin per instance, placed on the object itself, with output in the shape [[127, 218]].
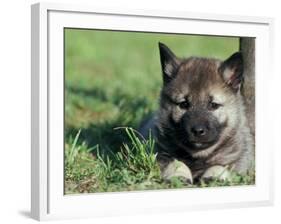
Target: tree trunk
[[247, 47]]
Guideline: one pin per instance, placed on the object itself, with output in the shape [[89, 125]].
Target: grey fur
[[202, 80]]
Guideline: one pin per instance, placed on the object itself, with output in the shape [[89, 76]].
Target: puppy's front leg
[[177, 168], [216, 172]]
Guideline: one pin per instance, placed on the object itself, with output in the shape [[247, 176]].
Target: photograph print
[[155, 111]]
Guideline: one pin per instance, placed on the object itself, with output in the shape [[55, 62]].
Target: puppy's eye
[[214, 106], [184, 105]]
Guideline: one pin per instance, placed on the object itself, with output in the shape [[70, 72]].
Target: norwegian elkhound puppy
[[201, 129]]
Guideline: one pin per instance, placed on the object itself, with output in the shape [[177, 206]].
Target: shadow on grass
[[107, 134], [97, 93]]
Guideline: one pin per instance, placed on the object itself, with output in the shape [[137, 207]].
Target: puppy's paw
[[177, 169], [216, 173]]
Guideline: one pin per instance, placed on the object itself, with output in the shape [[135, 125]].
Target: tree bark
[[247, 48]]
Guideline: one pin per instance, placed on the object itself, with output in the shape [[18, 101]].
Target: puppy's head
[[200, 99]]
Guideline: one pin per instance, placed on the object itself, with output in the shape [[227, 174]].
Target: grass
[[113, 79], [134, 167]]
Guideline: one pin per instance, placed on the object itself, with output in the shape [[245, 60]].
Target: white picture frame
[[48, 200]]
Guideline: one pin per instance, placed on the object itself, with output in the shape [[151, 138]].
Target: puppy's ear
[[232, 71], [169, 62]]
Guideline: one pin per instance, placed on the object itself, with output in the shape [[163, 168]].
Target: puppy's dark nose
[[198, 130]]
